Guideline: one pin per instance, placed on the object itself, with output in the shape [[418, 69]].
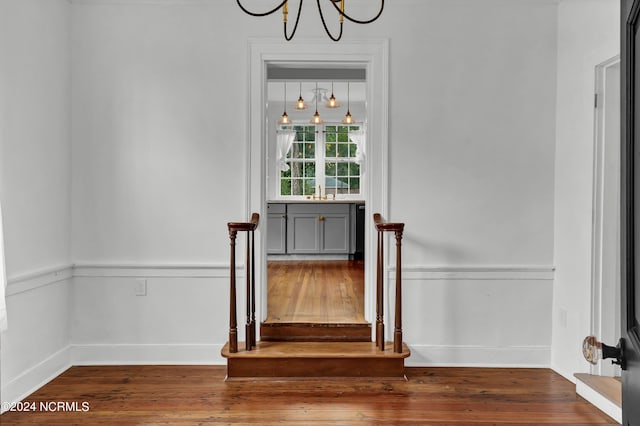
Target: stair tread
[[316, 350], [608, 387], [316, 324]]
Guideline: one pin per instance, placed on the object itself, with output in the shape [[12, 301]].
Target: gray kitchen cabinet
[[276, 228], [318, 228]]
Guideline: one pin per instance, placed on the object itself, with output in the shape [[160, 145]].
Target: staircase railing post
[[397, 333], [380, 293], [253, 289], [233, 321], [250, 268], [249, 271], [397, 228]]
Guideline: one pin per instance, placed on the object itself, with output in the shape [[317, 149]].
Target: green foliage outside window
[[336, 162]]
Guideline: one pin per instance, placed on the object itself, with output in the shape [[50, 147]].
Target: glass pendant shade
[[348, 118], [301, 104], [316, 117], [285, 118], [332, 103]]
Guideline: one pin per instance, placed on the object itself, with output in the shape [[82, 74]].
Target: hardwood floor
[[198, 395], [327, 292]]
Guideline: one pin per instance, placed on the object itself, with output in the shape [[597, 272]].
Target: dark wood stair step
[[315, 332], [309, 360]]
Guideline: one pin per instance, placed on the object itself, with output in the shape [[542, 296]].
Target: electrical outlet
[[141, 287]]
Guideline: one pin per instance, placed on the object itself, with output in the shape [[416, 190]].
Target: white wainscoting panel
[[182, 319], [493, 316], [35, 347]]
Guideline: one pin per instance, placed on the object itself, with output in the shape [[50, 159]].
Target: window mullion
[[320, 159]]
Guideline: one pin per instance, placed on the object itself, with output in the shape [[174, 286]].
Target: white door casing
[[373, 56]]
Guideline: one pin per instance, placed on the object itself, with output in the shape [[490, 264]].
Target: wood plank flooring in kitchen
[[326, 292], [179, 395]]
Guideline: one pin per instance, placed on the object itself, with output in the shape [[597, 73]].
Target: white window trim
[[321, 160]]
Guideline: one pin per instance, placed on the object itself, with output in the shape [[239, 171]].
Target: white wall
[[35, 190], [159, 136], [472, 117], [588, 34]]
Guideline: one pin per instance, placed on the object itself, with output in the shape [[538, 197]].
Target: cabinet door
[[335, 232], [276, 233], [303, 236]]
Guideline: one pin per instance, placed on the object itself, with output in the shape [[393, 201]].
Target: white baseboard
[[479, 356], [602, 403], [147, 354], [36, 377]]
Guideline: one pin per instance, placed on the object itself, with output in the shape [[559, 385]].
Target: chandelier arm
[[324, 24], [357, 21], [248, 12], [295, 27]]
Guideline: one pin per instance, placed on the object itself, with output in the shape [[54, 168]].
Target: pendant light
[[316, 117], [332, 103], [285, 118], [348, 119], [301, 104]]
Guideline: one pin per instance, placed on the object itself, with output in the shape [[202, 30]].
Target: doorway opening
[[316, 184], [369, 58], [602, 387], [605, 305]]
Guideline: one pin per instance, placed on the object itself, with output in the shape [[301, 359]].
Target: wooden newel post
[[253, 290], [248, 273], [380, 293], [397, 333], [397, 229], [233, 321], [250, 268]]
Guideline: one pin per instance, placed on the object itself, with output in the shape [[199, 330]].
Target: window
[[324, 155]]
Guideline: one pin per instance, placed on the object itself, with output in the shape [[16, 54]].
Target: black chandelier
[[284, 5]]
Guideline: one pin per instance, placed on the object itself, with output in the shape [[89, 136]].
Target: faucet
[[319, 195]]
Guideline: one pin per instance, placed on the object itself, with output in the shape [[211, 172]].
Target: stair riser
[[293, 338], [306, 333], [246, 368]]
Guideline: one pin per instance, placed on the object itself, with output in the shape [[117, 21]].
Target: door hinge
[[595, 100]]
